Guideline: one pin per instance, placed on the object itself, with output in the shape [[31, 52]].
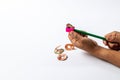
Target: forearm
[[108, 55]]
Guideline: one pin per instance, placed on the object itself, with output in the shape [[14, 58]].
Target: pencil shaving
[[58, 51], [69, 47], [62, 57]]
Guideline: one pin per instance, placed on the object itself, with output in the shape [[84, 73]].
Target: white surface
[[31, 29]]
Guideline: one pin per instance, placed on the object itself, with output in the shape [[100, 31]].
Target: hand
[[82, 42], [113, 40]]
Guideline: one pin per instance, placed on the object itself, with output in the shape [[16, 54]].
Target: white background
[[31, 29]]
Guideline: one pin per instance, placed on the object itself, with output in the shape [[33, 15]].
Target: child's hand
[[82, 42], [113, 40]]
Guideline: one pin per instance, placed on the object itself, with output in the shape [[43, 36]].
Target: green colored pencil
[[90, 34], [69, 28]]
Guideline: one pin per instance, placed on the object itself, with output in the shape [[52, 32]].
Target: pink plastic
[[68, 29]]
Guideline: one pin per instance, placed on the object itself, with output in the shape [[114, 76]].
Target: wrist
[[100, 52], [96, 50]]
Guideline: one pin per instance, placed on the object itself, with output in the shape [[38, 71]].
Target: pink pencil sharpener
[[69, 28]]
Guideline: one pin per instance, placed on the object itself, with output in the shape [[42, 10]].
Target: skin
[[111, 55]]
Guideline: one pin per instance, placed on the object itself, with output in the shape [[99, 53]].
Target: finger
[[114, 46], [108, 36], [78, 44], [75, 41], [105, 42], [71, 33], [75, 35], [111, 36], [70, 38], [111, 45]]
